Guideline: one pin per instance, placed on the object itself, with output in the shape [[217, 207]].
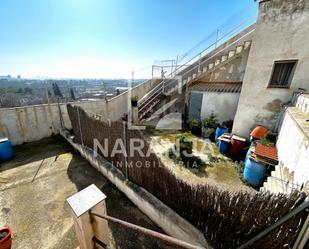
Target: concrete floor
[[33, 191]]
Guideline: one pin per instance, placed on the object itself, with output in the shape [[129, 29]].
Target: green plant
[[211, 121], [266, 142], [195, 126], [184, 145], [194, 123], [182, 154]]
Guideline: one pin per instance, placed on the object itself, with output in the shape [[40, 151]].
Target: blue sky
[[106, 38]]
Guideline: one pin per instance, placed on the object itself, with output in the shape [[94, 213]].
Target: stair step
[[189, 78], [302, 103], [247, 44], [194, 76], [231, 53], [217, 62], [204, 69], [211, 65], [239, 49], [224, 58]]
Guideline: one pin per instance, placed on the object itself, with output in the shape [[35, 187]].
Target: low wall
[[31, 123], [293, 145], [205, 206], [157, 211]]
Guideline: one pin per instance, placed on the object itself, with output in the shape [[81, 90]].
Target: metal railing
[[284, 219], [195, 61], [147, 232]]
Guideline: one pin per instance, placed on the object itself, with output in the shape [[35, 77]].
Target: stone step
[[247, 44], [302, 102], [239, 49], [210, 66], [231, 53], [224, 58], [204, 69], [217, 62], [194, 76]]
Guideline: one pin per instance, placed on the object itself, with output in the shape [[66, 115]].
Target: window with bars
[[282, 73]]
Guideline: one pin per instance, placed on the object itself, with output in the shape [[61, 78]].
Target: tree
[[27, 90], [72, 94], [57, 91]]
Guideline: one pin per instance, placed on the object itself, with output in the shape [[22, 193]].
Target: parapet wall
[[32, 123]]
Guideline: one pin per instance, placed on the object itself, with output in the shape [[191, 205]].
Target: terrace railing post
[[302, 236], [88, 227]]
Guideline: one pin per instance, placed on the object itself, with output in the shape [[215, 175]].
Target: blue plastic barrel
[[6, 150], [249, 152], [220, 131], [254, 172], [224, 146]]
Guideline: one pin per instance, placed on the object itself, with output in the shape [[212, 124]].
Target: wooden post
[[88, 226]]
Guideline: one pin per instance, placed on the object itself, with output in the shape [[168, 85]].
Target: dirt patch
[[219, 171]]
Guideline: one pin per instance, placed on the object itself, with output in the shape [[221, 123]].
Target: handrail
[[220, 51], [155, 91], [148, 232], [177, 68], [285, 218]]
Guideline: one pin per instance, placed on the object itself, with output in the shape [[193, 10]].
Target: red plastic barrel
[[237, 145]]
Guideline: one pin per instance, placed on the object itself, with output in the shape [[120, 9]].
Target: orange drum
[[259, 132]]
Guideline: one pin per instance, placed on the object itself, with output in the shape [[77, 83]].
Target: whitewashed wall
[[293, 145], [32, 123], [281, 34], [224, 105]]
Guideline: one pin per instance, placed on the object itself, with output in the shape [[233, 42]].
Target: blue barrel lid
[[3, 139]]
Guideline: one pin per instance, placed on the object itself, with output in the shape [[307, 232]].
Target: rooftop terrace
[[34, 187]]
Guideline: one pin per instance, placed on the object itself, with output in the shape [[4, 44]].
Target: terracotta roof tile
[[266, 151]]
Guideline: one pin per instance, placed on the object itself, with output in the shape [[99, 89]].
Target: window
[[282, 73]]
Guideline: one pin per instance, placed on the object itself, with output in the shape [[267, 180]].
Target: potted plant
[[134, 101], [209, 126], [195, 126], [6, 238]]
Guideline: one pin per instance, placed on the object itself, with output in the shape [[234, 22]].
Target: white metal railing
[[197, 60]]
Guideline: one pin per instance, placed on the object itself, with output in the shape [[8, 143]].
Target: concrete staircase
[[205, 67], [302, 101], [194, 70], [282, 179]]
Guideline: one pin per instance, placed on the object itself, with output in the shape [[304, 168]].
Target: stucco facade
[[281, 34], [223, 105]]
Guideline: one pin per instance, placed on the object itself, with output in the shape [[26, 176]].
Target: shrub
[[211, 121], [195, 126]]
